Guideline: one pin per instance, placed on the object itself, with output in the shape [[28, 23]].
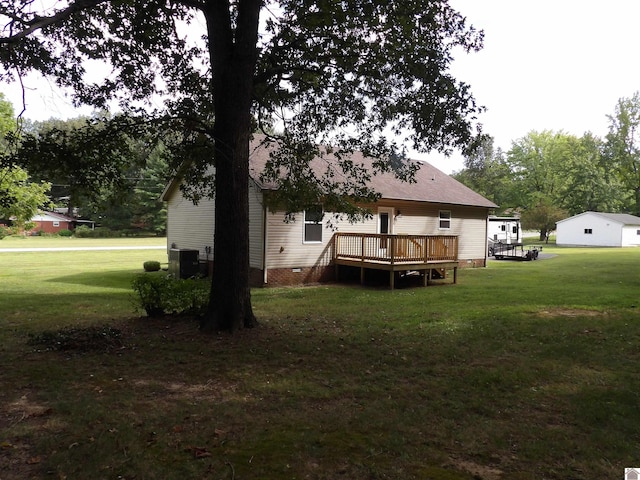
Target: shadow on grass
[[319, 397], [104, 279]]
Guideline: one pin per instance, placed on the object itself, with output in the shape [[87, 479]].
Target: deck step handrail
[[401, 248]]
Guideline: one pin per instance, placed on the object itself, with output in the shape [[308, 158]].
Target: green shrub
[[159, 294], [65, 233], [5, 232], [83, 231], [99, 232], [151, 266]]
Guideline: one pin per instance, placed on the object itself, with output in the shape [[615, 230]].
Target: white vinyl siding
[[191, 226], [592, 229], [256, 226], [286, 248], [468, 223]]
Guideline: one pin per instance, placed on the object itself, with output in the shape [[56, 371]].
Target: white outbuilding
[[596, 229]]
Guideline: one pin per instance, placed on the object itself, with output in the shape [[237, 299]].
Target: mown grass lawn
[[520, 371]]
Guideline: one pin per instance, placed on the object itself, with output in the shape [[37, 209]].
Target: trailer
[[514, 251], [504, 229]]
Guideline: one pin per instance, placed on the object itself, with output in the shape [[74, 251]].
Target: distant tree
[[590, 185], [135, 204], [487, 172], [537, 161], [19, 197], [623, 147], [84, 156], [542, 216]]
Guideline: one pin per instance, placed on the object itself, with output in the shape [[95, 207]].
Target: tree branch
[[39, 22]]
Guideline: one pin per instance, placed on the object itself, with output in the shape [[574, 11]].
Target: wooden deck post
[[392, 273], [362, 243]]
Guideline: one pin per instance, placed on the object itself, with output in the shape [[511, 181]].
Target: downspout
[[264, 241], [486, 238]]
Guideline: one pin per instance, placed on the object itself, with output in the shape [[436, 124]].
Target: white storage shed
[[596, 229]]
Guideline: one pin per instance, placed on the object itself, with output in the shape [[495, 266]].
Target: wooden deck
[[427, 254]]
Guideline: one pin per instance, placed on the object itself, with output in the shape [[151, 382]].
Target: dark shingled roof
[[431, 185]]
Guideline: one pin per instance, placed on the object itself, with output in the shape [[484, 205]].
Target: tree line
[[84, 167], [549, 175]]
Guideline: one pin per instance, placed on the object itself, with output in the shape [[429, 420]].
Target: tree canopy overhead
[[356, 74]]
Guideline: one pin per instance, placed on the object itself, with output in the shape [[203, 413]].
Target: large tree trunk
[[233, 59]]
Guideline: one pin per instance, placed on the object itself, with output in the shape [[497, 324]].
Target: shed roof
[[621, 218]]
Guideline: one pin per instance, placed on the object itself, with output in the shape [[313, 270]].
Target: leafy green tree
[[85, 156], [623, 147], [542, 216], [488, 173], [589, 185], [19, 198], [136, 205], [537, 161], [317, 70]]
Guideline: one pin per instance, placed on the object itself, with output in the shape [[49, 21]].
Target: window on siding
[[503, 228], [514, 229], [637, 232], [313, 225], [588, 231], [445, 219]]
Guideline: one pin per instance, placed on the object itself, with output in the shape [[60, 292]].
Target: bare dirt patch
[[569, 312], [17, 460], [483, 472]]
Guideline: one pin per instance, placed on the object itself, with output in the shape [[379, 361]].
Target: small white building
[[596, 229]]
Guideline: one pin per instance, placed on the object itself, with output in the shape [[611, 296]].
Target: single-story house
[[51, 222], [597, 229], [427, 226]]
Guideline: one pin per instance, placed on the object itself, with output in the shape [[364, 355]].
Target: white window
[[588, 231], [445, 220], [56, 224], [313, 225]]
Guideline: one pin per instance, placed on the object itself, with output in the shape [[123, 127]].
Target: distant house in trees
[[433, 224], [51, 222], [596, 229]]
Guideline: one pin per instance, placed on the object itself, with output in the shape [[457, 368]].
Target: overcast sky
[[546, 65], [549, 65]]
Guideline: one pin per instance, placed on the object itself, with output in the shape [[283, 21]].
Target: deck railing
[[370, 247]]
